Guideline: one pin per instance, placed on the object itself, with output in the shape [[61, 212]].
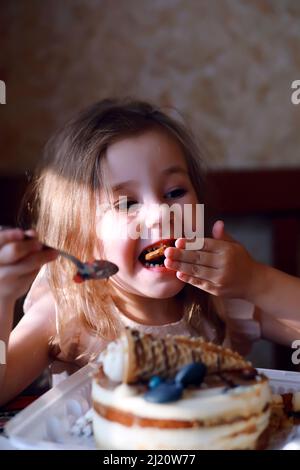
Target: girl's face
[[149, 170]]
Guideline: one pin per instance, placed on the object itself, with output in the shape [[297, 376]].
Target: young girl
[[114, 152]]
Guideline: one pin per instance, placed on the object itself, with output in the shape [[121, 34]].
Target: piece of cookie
[[156, 253]]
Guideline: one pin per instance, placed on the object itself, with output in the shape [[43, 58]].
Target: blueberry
[[154, 381], [164, 393], [191, 374]]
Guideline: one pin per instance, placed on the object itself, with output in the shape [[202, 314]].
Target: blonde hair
[[67, 186]]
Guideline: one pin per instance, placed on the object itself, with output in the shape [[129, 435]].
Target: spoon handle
[[70, 257]]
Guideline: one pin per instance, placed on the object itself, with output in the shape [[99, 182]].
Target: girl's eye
[[123, 204], [178, 192]]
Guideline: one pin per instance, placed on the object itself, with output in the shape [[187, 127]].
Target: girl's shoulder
[[40, 310], [39, 289]]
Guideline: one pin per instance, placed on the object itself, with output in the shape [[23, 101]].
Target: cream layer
[[203, 405]]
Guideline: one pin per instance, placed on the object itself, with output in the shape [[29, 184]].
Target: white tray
[[35, 427], [46, 423]]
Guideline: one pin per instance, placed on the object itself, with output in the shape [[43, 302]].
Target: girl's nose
[[152, 215], [155, 213], [159, 218]]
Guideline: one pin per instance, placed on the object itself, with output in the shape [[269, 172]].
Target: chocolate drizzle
[[153, 357], [165, 353], [139, 349], [177, 353], [230, 383]]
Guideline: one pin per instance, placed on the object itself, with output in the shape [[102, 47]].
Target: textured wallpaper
[[227, 65]]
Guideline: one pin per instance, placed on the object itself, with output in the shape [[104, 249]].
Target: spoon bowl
[[97, 269]]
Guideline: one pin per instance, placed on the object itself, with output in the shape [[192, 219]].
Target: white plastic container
[[282, 381], [47, 422]]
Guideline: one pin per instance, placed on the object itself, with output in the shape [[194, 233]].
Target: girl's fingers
[[8, 235], [202, 284], [31, 233], [194, 270], [180, 243], [28, 264], [37, 260], [210, 245], [16, 250], [195, 257]]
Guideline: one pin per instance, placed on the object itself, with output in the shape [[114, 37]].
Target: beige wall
[[226, 64]]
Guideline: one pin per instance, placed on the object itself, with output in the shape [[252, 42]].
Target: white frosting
[[203, 404], [112, 360], [124, 391]]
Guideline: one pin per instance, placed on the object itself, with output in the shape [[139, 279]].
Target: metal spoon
[[97, 269]]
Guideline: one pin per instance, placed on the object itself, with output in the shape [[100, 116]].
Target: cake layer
[[203, 405], [242, 434], [208, 417]]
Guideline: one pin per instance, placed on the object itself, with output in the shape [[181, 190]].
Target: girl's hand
[[223, 267], [20, 261]]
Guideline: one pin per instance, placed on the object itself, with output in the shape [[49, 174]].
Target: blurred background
[[225, 66]]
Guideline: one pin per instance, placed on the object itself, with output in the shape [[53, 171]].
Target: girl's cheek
[[105, 227]]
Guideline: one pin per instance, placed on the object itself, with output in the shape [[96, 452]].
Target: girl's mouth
[[152, 256]]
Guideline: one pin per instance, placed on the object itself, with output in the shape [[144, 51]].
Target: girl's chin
[[166, 291]]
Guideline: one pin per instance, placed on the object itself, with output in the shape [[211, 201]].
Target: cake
[[177, 393], [285, 411]]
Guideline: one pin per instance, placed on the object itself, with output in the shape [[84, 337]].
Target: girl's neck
[[149, 311]]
